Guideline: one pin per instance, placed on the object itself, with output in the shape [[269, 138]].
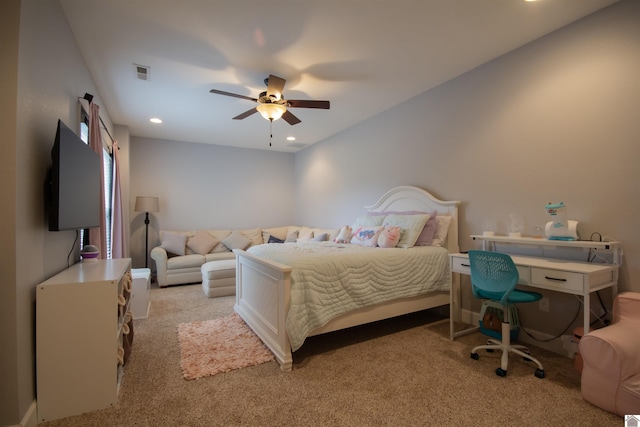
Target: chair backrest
[[493, 273]]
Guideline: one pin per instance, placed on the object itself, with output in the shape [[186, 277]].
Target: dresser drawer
[[555, 279]]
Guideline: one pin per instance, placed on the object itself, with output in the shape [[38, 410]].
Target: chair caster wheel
[[501, 372], [539, 373], [475, 356]]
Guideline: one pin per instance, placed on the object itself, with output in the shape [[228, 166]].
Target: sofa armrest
[[610, 357], [159, 255], [626, 307]]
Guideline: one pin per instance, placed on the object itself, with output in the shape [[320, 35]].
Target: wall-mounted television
[[74, 183]]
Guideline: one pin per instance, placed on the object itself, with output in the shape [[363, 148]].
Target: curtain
[[118, 237], [97, 236]]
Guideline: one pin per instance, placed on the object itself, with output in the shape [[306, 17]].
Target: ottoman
[[219, 278]]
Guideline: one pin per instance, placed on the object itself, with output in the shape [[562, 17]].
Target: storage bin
[[491, 320]]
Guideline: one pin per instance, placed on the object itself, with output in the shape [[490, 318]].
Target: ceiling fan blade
[[235, 95], [245, 114], [290, 118], [275, 86], [300, 103]]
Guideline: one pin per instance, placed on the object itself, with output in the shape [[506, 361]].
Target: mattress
[[330, 279]]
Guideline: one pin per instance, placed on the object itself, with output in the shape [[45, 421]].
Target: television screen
[[74, 183]]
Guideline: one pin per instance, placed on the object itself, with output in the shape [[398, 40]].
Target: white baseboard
[[30, 418], [559, 346]]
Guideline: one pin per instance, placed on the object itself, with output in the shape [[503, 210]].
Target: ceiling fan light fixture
[[271, 111]]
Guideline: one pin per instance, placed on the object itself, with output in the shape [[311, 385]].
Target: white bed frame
[[263, 286]]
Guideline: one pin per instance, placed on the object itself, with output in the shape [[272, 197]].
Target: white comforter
[[329, 279]]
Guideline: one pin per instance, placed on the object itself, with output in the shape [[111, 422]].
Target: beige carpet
[[401, 372], [220, 345]]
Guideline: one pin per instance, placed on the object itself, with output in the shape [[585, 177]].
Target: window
[[108, 183]]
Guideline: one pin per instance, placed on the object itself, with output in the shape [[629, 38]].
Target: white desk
[[578, 278]]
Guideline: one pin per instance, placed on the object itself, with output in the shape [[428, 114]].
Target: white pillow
[[442, 230], [411, 225], [368, 221], [202, 242], [292, 236], [366, 236], [236, 240], [173, 242]]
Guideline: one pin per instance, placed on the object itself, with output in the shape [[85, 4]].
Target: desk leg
[[455, 309], [586, 306]]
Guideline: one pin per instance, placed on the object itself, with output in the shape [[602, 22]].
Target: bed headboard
[[408, 198]]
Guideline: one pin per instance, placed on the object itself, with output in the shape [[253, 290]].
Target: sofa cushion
[[202, 242], [185, 261], [218, 256], [173, 242]]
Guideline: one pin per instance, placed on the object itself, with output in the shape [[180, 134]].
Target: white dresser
[[81, 326]]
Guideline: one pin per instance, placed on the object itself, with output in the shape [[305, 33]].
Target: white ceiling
[[365, 56]]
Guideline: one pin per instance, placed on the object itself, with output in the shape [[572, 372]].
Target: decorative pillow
[[389, 237], [303, 239], [441, 231], [219, 235], [411, 226], [236, 240], [202, 242], [253, 234], [273, 239], [174, 242], [320, 237], [368, 221], [426, 236], [345, 235], [279, 232], [305, 233], [366, 236], [292, 236]]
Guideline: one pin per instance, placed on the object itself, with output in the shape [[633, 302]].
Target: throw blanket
[[329, 279]]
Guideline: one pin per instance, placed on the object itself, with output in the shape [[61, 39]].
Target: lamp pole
[[146, 240], [146, 204]]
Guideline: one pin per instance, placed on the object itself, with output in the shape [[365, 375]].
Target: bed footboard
[[262, 300]]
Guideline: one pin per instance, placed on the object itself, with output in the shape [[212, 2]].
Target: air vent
[[142, 72]]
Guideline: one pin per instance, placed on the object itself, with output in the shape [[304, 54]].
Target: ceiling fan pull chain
[[270, 131]]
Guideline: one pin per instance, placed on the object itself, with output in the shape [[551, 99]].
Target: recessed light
[[291, 138], [155, 120]]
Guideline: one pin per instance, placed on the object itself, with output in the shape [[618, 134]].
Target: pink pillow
[[389, 237], [428, 232]]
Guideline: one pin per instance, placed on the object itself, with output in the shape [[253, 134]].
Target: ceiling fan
[[271, 103]]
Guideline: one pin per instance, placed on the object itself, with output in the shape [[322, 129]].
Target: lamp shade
[[147, 204], [271, 111]]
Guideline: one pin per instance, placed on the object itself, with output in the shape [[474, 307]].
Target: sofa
[[181, 254], [611, 355]]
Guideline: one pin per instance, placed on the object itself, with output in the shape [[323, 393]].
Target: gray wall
[[207, 186], [556, 120], [51, 74]]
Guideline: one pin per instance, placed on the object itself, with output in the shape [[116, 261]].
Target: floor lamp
[[146, 205]]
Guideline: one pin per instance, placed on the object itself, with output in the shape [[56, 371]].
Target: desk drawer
[[460, 265], [562, 280]]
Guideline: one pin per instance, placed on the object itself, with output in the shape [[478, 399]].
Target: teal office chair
[[494, 277]]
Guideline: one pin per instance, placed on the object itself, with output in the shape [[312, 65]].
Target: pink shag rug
[[219, 345]]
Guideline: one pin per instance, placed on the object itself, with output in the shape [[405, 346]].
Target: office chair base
[[506, 349]]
